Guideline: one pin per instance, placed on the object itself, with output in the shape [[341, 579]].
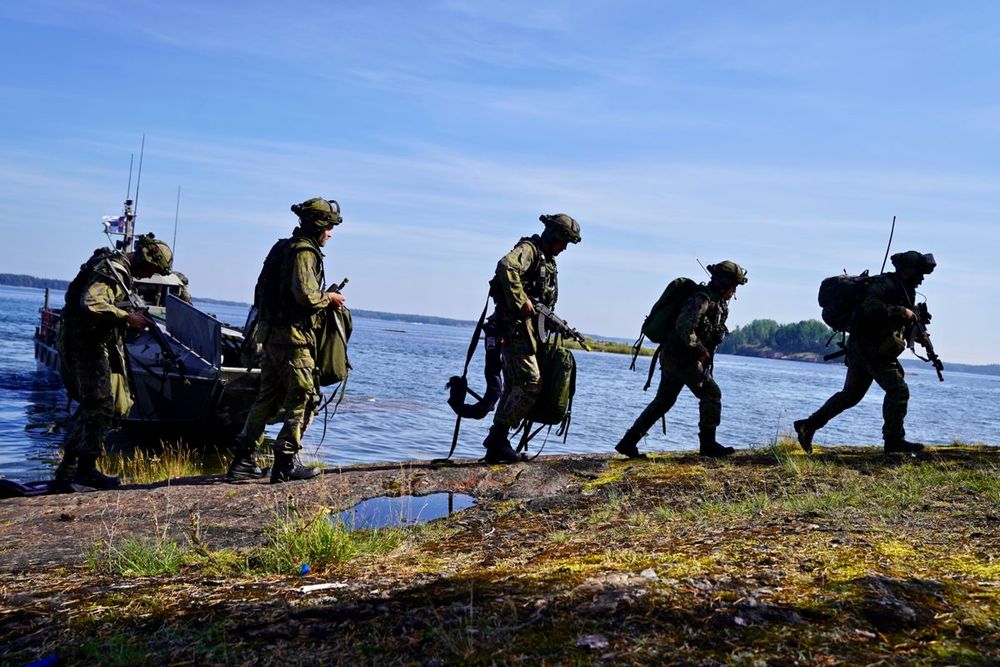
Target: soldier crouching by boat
[[92, 351], [687, 357], [290, 299], [524, 276]]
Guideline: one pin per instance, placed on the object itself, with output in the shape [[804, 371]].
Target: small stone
[[650, 574], [592, 642]]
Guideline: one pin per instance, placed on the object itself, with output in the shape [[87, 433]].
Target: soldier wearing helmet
[[686, 359], [524, 276], [876, 339], [91, 348], [290, 298]]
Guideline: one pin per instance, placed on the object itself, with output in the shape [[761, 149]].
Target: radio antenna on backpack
[[703, 267], [891, 232], [135, 209]]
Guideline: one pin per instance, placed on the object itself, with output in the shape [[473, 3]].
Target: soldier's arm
[[510, 268], [306, 288], [99, 298], [685, 329]]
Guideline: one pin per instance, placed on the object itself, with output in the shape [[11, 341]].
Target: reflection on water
[[396, 407], [399, 511]]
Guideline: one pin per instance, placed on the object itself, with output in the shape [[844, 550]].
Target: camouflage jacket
[[700, 326], [522, 274], [292, 307], [880, 325], [104, 281]]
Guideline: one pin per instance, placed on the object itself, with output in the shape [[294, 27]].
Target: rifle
[[134, 303], [918, 333], [559, 325]]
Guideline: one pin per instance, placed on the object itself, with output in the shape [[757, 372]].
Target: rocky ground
[[847, 556]]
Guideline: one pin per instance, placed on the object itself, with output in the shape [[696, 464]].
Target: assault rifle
[[919, 334], [134, 303], [549, 320]]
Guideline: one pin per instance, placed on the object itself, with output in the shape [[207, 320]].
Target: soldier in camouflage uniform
[[92, 351], [525, 275], [290, 297], [686, 359], [876, 339]]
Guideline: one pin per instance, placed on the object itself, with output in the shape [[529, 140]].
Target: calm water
[[396, 408]]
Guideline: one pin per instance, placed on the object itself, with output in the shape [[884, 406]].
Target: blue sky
[[783, 135]]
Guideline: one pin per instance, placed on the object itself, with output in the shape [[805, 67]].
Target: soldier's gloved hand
[[337, 300], [139, 320], [702, 355], [909, 315], [527, 309]]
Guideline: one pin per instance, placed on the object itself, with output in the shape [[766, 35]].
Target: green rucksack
[[555, 399], [663, 315], [332, 363], [662, 318]]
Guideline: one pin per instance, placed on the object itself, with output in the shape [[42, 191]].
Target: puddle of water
[[401, 511]]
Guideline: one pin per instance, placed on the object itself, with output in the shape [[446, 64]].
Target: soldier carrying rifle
[[882, 322], [524, 277]]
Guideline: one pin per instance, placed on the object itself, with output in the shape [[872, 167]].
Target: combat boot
[[287, 468], [87, 474], [902, 446], [709, 447], [628, 445], [498, 449], [805, 432], [244, 465]]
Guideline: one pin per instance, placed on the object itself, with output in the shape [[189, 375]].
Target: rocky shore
[[847, 556]]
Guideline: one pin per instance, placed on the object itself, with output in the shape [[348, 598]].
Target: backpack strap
[[459, 383], [652, 367], [636, 346]]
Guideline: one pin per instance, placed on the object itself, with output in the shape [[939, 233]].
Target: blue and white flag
[[114, 225]]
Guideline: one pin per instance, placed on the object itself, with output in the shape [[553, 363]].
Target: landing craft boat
[[187, 377]]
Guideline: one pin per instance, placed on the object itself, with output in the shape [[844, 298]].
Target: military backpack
[[332, 363], [839, 297], [663, 315]]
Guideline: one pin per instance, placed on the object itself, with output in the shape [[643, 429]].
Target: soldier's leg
[[703, 385], [97, 413], [523, 380], [298, 369], [856, 384], [524, 383], [890, 377], [265, 407], [666, 395]]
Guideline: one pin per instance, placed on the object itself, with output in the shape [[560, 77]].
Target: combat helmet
[[561, 227], [318, 214], [151, 250], [728, 272], [911, 260]]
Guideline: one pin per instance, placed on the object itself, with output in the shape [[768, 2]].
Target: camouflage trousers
[[674, 376], [522, 382], [863, 368], [86, 372], [288, 394]]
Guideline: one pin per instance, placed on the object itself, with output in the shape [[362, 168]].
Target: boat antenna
[[128, 191], [891, 231], [130, 226], [177, 211]]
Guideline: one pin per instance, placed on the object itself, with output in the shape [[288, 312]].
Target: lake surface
[[396, 403]]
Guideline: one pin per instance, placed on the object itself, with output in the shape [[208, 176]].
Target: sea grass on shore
[[848, 556]]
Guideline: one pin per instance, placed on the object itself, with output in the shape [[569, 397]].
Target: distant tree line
[[21, 280], [767, 337]]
